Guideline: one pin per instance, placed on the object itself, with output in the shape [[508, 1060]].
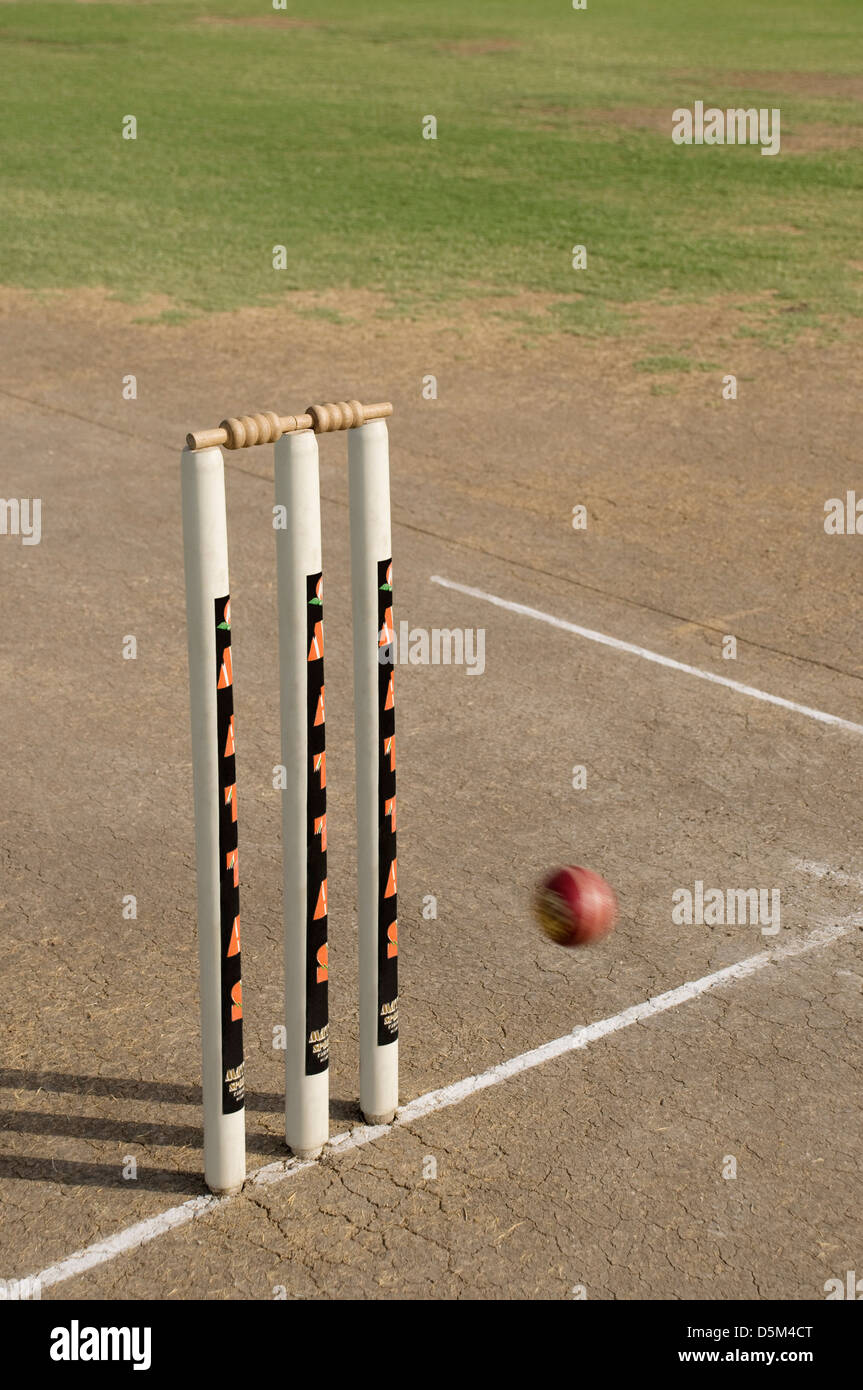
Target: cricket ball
[[575, 906]]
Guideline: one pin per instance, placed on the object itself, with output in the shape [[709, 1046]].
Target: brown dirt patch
[[475, 48], [803, 138], [607, 122], [777, 228], [609, 119], [817, 137], [705, 335], [632, 117], [273, 21], [842, 86]]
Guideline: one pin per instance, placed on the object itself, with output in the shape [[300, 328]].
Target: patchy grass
[[669, 363], [553, 130]]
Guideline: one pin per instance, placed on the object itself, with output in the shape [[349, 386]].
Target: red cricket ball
[[575, 906]]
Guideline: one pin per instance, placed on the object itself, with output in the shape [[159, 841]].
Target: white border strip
[[145, 1231], [647, 655]]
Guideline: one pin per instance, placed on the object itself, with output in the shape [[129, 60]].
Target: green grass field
[[253, 134]]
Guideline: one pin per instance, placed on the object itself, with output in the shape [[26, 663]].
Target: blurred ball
[[575, 906]]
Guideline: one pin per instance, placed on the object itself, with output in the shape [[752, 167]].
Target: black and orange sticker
[[317, 960], [233, 1077], [388, 982]]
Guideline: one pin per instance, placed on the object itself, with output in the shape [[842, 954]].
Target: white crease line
[[818, 870], [145, 1231], [647, 655]]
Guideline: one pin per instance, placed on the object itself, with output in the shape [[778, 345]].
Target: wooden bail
[[242, 431]]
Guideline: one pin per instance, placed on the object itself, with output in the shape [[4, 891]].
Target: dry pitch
[[603, 1166]]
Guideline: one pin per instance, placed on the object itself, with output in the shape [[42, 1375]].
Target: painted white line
[[820, 871], [145, 1231], [130, 1239], [660, 1003], [647, 655]]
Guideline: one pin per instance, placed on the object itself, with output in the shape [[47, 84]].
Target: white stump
[[374, 715], [205, 546], [304, 825]]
